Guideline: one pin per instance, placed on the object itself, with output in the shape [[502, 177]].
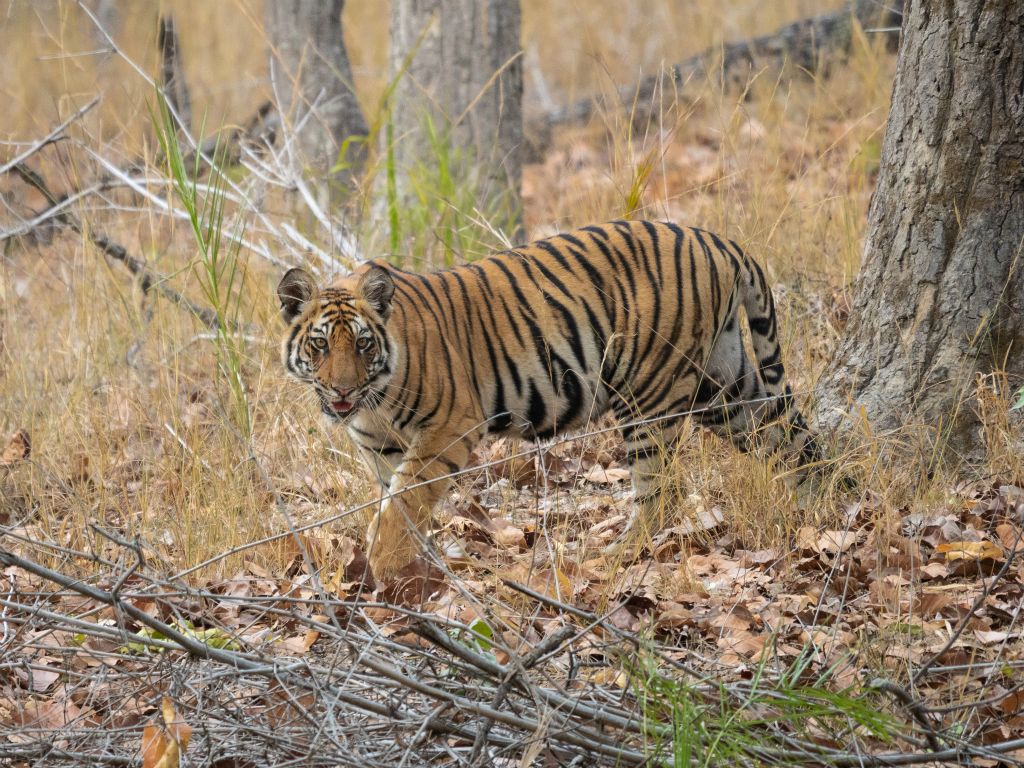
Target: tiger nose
[[343, 393]]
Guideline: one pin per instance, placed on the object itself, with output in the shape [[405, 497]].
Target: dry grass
[[131, 427]]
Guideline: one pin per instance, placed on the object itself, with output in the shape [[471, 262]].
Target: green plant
[[711, 723], [449, 203], [444, 198], [217, 266]]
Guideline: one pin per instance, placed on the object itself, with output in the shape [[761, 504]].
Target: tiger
[[637, 318]]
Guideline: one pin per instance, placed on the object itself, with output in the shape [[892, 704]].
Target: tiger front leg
[[395, 536], [649, 455]]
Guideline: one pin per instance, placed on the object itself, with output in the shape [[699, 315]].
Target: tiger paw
[[387, 558]]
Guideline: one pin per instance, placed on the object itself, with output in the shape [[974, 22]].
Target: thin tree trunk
[[172, 73], [312, 74], [940, 297], [462, 76]]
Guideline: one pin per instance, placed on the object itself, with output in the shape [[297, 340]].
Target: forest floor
[[183, 555]]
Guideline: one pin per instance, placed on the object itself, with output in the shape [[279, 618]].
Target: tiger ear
[[294, 291], [376, 287]]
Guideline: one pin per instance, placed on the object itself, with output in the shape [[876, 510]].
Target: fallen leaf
[[415, 584], [310, 637], [605, 476], [162, 745], [18, 448], [505, 534], [673, 616], [1013, 703], [931, 604], [43, 678], [48, 715], [970, 550], [744, 644], [836, 542], [1009, 536], [991, 637], [609, 676]]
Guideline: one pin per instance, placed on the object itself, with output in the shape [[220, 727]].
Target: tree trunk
[[172, 73], [940, 297], [463, 80], [312, 73]]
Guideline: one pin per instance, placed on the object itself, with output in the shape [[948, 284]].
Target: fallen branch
[[801, 43], [148, 280], [53, 136]]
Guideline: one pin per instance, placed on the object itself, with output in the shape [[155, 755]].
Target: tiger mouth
[[338, 409]]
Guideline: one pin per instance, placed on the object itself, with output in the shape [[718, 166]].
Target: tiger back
[[638, 318]]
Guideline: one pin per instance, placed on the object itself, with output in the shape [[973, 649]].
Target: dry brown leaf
[[548, 581], [162, 745], [49, 715], [733, 618], [970, 550], [673, 616], [744, 644], [18, 448], [1013, 703], [931, 604], [605, 476], [294, 645], [830, 543], [311, 636], [933, 571], [807, 538], [609, 676], [416, 583], [1009, 536], [992, 637], [836, 542], [43, 678], [505, 534]]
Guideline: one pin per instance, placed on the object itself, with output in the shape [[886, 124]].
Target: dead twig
[[55, 135], [148, 280], [913, 706]]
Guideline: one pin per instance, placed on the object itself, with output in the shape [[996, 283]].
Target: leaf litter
[[939, 598]]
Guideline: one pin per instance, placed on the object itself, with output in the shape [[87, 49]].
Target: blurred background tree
[[457, 104], [313, 84]]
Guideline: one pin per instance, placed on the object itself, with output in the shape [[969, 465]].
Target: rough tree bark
[[313, 73], [464, 73], [940, 296]]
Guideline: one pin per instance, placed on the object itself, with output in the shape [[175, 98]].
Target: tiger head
[[337, 338]]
